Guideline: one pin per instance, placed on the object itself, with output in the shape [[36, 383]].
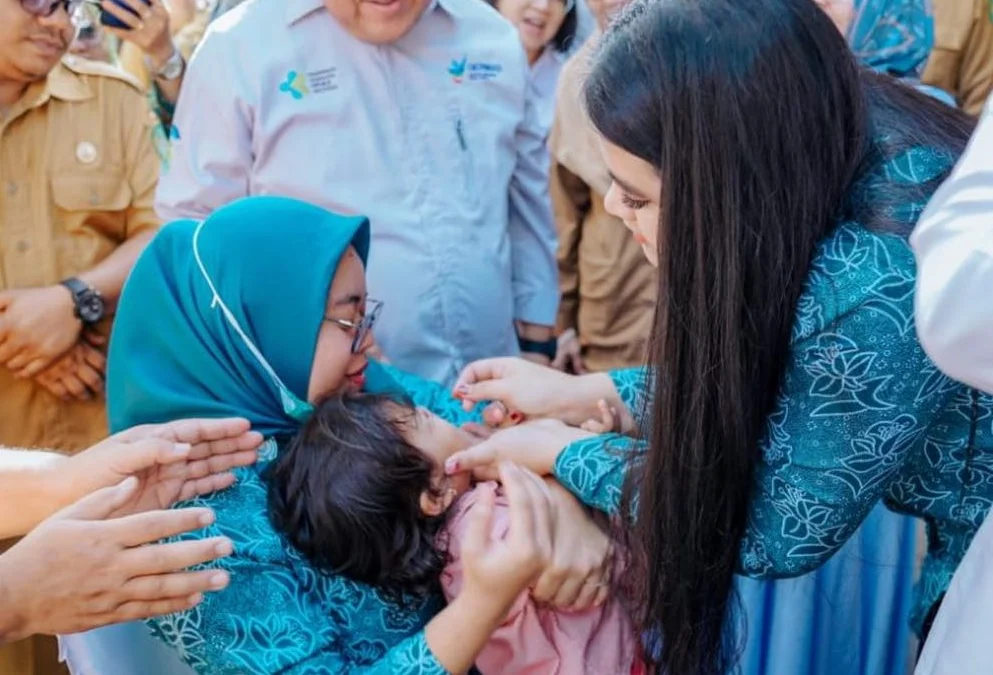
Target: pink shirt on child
[[538, 640]]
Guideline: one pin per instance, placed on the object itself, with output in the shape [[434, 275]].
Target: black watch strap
[[76, 286], [89, 304], [543, 347]]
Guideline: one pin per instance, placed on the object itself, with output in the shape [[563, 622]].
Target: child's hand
[[497, 572], [607, 423]]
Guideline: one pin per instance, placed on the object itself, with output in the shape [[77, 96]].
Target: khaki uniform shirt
[[961, 61], [77, 178], [608, 286]]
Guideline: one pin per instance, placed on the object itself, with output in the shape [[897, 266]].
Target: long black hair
[[762, 127]]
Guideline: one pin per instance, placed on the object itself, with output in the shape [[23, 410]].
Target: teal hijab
[[220, 317]]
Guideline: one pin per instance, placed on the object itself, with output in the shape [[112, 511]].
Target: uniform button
[[86, 152], [23, 246], [11, 188]]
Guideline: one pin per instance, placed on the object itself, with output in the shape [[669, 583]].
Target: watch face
[[91, 308]]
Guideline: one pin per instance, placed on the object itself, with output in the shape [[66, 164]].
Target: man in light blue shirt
[[411, 112]]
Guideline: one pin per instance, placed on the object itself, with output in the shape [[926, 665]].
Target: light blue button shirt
[[434, 138]]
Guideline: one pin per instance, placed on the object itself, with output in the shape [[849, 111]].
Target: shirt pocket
[[90, 217], [464, 151]]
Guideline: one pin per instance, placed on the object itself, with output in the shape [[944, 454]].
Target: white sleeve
[[959, 639], [210, 159], [953, 243]]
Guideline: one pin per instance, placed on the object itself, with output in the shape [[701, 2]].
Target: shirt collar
[[61, 83], [65, 85], [299, 9]]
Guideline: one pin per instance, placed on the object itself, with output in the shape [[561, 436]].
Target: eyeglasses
[[45, 8], [363, 326]]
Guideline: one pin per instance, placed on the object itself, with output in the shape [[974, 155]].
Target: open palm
[[172, 462]]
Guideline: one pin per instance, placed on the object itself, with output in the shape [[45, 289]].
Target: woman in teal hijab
[[895, 37], [258, 312]]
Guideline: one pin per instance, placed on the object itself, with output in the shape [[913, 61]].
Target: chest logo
[[474, 71], [295, 85]]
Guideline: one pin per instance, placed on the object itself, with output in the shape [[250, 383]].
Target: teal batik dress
[[863, 415], [279, 614]]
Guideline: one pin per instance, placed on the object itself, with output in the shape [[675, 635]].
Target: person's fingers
[[233, 431], [522, 515], [75, 386], [481, 454], [175, 585], [94, 338], [32, 368], [54, 386], [544, 514], [487, 390], [132, 611], [568, 592], [138, 455], [530, 527], [100, 504], [92, 357], [148, 527], [174, 556], [478, 371], [477, 533], [20, 359], [215, 451], [602, 593], [206, 485], [495, 414], [220, 464], [8, 350], [588, 593], [592, 426], [90, 377]]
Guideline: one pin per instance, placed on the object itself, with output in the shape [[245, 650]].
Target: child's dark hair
[[346, 493]]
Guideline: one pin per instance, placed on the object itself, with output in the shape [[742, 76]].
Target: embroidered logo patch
[[457, 70], [295, 85], [476, 71]]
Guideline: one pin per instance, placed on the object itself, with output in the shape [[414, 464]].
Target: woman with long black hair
[[774, 185]]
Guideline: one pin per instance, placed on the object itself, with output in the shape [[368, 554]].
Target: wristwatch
[[171, 69], [544, 347], [90, 306]]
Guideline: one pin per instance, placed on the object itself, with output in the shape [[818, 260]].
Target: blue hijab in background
[[893, 36], [220, 318]]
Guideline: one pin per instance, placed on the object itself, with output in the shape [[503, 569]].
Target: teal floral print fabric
[[279, 614], [863, 415]]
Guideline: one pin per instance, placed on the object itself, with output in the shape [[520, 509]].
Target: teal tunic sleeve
[[593, 469], [384, 379], [857, 399]]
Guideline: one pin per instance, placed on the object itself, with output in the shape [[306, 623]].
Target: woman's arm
[[540, 392]]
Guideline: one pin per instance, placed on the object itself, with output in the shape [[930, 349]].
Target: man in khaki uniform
[[77, 178], [961, 60], [608, 286]]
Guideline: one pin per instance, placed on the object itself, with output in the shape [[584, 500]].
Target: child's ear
[[434, 504]]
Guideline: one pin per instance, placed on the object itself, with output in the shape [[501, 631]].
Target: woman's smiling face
[[335, 366]]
